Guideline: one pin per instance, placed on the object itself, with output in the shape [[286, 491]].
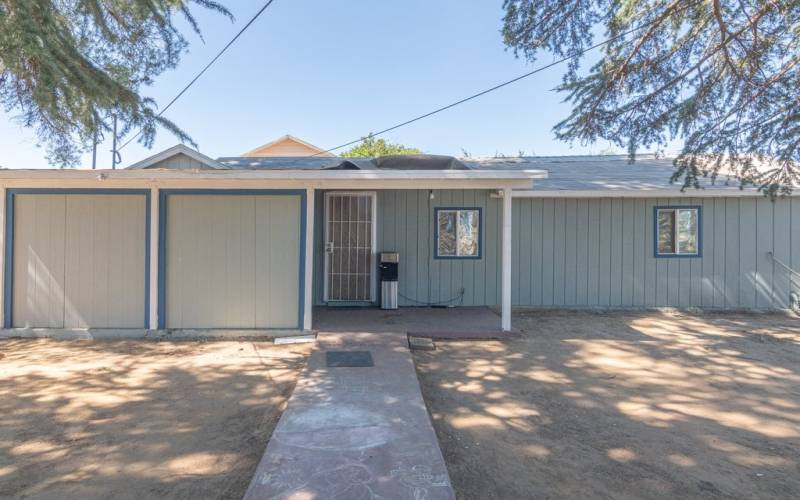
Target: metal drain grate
[[351, 359]]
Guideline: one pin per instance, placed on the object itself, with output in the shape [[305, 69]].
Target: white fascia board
[[643, 193], [294, 175]]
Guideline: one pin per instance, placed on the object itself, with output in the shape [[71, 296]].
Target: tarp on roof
[[418, 162], [352, 164], [400, 162]]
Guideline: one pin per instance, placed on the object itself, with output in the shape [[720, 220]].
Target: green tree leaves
[[721, 75], [67, 66], [371, 147]]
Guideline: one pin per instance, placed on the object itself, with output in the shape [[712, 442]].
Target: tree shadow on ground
[[138, 419], [621, 405]]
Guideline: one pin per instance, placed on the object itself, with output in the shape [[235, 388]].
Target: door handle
[[329, 247]]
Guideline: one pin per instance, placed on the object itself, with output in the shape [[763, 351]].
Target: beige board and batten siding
[[79, 261], [232, 261], [598, 252]]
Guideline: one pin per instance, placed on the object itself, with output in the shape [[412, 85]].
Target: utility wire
[[492, 89], [207, 66]]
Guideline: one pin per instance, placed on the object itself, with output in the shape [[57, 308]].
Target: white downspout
[[506, 262]]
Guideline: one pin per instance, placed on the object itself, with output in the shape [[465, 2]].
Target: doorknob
[[329, 247]]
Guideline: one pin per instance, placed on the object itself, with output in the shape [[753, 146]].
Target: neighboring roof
[[174, 158], [288, 145]]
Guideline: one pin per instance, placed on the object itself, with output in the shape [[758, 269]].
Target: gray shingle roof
[[405, 162], [280, 162], [600, 173], [566, 173]]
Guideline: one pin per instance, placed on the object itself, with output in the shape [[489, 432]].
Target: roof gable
[[178, 157], [286, 146]]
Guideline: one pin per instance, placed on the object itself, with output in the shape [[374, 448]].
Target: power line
[[211, 63], [492, 89]]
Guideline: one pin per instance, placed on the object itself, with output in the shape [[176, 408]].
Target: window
[[458, 233], [677, 231]]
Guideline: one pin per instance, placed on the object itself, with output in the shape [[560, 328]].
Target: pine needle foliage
[[723, 76], [67, 66]]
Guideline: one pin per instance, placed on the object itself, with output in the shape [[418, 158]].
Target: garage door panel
[[211, 239], [131, 307], [176, 288], [232, 261], [86, 269], [240, 251], [79, 261], [184, 225], [277, 272], [38, 294], [105, 257], [235, 252]]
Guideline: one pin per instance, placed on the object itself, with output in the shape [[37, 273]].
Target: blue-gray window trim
[[699, 253], [436, 255], [8, 276], [162, 241]]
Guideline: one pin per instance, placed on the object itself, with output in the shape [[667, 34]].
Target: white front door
[[350, 246]]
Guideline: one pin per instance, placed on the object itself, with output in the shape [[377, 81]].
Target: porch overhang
[[313, 179]]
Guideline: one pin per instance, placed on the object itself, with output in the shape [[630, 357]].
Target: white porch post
[[308, 302], [3, 255], [154, 232], [506, 262]]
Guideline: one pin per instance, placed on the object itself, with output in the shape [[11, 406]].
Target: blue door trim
[[8, 276], [162, 240]]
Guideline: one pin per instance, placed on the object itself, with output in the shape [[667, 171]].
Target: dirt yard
[[138, 419], [621, 406]]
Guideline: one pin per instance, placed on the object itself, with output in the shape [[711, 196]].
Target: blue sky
[[330, 72]]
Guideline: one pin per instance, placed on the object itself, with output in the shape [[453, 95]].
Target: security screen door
[[349, 246]]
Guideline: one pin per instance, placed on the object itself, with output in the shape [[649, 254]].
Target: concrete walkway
[[355, 432]]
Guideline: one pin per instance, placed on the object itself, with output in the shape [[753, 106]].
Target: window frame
[[699, 252], [436, 211]]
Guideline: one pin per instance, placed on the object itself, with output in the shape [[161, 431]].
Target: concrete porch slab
[[406, 319], [355, 432]]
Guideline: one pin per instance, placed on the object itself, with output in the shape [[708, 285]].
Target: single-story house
[[183, 241]]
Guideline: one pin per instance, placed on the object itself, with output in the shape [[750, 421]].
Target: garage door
[[232, 261], [79, 261]]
